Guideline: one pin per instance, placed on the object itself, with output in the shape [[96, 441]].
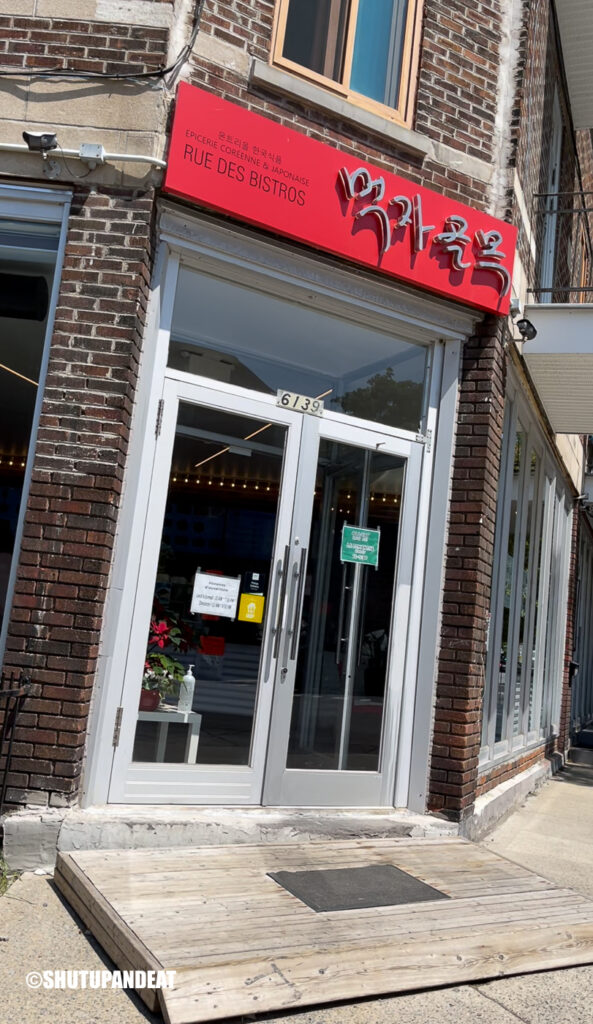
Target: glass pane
[[528, 511], [378, 48], [505, 670], [536, 639], [250, 339], [27, 262], [552, 616], [315, 32], [219, 531], [342, 660]]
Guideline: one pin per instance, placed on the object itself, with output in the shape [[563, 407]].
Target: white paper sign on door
[[215, 595]]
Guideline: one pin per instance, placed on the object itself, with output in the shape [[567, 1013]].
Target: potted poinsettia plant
[[163, 673]]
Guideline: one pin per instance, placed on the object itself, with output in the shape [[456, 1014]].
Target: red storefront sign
[[232, 160]]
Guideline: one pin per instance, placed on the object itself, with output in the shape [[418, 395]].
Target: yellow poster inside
[[251, 607]]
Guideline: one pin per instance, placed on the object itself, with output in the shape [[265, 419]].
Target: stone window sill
[[276, 80]]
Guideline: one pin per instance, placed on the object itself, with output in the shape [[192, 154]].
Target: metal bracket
[[117, 726], [159, 417], [425, 439]]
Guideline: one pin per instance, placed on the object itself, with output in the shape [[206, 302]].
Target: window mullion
[[532, 594], [561, 614], [549, 665], [516, 592], [349, 47], [543, 598], [500, 552]]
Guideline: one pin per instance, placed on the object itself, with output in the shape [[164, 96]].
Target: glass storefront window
[[253, 340], [523, 672], [523, 645], [505, 669], [28, 252], [536, 618]]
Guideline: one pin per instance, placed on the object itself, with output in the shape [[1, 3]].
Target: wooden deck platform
[[241, 944]]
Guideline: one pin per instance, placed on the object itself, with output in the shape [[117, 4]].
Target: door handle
[[294, 578], [277, 630], [296, 592], [278, 608], [297, 607]]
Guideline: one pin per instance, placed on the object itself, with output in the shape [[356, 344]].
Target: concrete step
[[32, 837]]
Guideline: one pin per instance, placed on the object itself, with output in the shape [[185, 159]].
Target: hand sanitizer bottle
[[186, 692]]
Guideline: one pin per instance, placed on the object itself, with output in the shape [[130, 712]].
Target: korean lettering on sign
[[452, 239], [241, 163]]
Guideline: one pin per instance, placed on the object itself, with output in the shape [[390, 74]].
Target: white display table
[[165, 716]]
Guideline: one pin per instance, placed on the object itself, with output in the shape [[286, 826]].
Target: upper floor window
[[365, 50]]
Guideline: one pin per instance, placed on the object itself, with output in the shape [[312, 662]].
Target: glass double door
[[267, 655]]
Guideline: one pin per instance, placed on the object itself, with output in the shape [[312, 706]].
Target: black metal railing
[[562, 229], [13, 693]]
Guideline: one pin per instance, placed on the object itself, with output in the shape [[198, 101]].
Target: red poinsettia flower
[[159, 633]]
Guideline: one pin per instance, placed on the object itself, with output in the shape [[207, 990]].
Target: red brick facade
[[468, 574], [65, 562], [98, 47], [507, 770]]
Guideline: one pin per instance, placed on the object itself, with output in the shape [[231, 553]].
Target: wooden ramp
[[242, 944]]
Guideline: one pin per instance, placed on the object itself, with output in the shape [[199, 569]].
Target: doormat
[[375, 885]]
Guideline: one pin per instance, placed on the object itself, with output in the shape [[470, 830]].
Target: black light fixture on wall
[[526, 329]]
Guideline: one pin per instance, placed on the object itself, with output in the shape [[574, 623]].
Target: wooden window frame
[[403, 114]]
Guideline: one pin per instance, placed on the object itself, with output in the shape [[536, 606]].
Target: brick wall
[[468, 574], [541, 75], [64, 565], [77, 480], [455, 105], [100, 47], [458, 74], [493, 777]]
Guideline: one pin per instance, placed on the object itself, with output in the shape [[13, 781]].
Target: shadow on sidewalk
[[575, 775]]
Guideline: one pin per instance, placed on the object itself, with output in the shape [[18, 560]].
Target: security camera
[[40, 142]]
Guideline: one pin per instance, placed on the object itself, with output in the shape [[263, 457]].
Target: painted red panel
[[227, 158]]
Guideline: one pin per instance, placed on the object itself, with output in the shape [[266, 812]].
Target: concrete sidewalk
[[552, 835]]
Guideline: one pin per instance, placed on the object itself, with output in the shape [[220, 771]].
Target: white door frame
[[243, 255], [134, 782]]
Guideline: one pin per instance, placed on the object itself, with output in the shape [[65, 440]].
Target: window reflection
[[250, 339]]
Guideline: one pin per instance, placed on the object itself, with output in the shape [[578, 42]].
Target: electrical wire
[[72, 174], [160, 73]]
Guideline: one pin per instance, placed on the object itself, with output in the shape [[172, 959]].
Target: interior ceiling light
[[21, 376]]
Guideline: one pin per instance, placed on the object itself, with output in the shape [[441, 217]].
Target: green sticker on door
[[360, 545]]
